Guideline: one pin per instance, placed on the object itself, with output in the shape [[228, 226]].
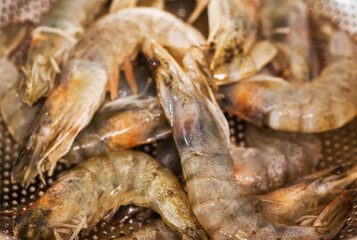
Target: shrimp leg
[[82, 196], [217, 201]]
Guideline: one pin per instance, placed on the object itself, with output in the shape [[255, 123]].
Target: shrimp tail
[[26, 166]]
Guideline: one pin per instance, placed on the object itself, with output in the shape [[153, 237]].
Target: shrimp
[[233, 26], [274, 158], [286, 24], [216, 200], [82, 85], [82, 196], [129, 125], [16, 115], [302, 201], [51, 44], [155, 230], [326, 103]]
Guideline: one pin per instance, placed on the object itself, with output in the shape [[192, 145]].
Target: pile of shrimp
[[101, 77]]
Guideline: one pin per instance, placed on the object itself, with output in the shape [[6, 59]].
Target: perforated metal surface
[[23, 11], [339, 146]]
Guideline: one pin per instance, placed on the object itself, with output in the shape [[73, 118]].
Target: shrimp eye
[[228, 57], [153, 63]]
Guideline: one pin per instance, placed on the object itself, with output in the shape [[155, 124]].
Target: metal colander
[[339, 146]]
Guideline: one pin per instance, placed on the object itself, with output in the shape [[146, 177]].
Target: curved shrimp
[[286, 24], [51, 44], [233, 26], [326, 103], [82, 196], [82, 85], [155, 230], [130, 125], [274, 158], [217, 201]]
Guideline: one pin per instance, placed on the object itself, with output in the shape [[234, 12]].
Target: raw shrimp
[[82, 84], [155, 230], [326, 103], [15, 113], [81, 197], [51, 43], [274, 158], [233, 26], [303, 201], [130, 124], [216, 200], [286, 24]]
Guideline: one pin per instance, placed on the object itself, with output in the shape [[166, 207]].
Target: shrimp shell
[[217, 201], [81, 197], [51, 43], [82, 84], [141, 122]]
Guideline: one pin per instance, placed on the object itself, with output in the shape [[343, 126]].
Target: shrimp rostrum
[[81, 197], [93, 66], [217, 201]]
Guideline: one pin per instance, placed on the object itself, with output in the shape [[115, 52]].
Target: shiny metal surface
[[339, 146]]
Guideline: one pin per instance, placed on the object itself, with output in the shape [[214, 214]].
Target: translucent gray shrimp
[[51, 43], [131, 124], [217, 201], [15, 113], [233, 26], [94, 65], [286, 24], [327, 102], [82, 196], [273, 159]]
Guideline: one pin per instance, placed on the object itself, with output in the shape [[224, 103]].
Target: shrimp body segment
[[81, 197], [217, 201], [51, 43], [82, 85], [141, 122]]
